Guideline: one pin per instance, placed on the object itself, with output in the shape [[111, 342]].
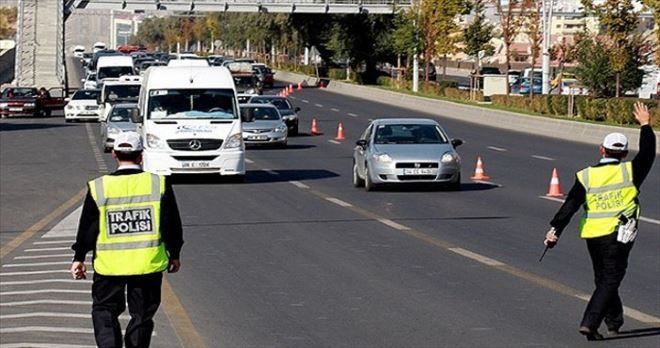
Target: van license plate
[[195, 164]]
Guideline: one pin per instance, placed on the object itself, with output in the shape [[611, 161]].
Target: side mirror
[[66, 100], [361, 143], [456, 142], [136, 116], [82, 80], [297, 109]]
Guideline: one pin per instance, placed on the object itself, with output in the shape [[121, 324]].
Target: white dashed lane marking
[[318, 105], [66, 241], [494, 148], [45, 281], [393, 224], [543, 158], [45, 291], [334, 142], [304, 101], [338, 202], [46, 249], [477, 257], [14, 274], [299, 184], [39, 302], [36, 264], [352, 114], [335, 109]]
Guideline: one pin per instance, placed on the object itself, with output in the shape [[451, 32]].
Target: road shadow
[[253, 177], [9, 127], [651, 331], [275, 147], [433, 187]]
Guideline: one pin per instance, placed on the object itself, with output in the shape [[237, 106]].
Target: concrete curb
[[582, 132]]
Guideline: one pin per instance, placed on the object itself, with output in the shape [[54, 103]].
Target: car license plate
[[15, 109], [419, 171], [195, 164], [257, 137]]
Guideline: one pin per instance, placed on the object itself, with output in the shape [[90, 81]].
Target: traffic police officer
[[609, 193], [131, 221]]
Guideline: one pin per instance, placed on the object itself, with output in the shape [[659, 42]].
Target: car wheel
[[368, 183], [357, 180]]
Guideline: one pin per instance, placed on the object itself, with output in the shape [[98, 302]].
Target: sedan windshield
[[85, 95], [20, 92], [280, 103], [409, 134], [121, 114], [192, 103], [262, 114]]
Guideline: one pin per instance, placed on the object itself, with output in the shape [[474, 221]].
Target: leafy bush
[[337, 74]]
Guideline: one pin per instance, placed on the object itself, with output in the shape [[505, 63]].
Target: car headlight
[[290, 117], [448, 157], [69, 107], [281, 128], [382, 157], [114, 130], [4, 105], [154, 142], [234, 141], [28, 105], [251, 91]]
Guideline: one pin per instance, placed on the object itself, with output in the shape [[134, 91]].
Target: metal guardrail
[[298, 6]]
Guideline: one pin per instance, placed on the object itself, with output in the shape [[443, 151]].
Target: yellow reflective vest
[[129, 240], [610, 194]]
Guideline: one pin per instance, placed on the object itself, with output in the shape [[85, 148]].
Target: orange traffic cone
[[290, 88], [321, 84], [300, 86], [340, 132], [479, 173], [285, 92], [555, 189], [315, 128]]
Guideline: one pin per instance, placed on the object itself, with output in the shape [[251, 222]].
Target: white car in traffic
[[83, 106]]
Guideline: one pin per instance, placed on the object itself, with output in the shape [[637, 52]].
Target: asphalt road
[[297, 257]]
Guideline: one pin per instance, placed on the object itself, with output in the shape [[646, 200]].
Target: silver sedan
[[267, 126], [119, 120], [406, 150]]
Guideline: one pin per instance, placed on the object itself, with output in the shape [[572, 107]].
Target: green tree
[[511, 20], [618, 20], [654, 7], [199, 31], [477, 35], [447, 29], [8, 17], [533, 31]]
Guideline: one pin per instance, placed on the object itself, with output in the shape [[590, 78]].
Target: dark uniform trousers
[[610, 260], [109, 301]]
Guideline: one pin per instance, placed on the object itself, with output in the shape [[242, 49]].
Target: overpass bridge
[[40, 49]]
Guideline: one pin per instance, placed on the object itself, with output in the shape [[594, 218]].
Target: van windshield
[[114, 71], [121, 93], [192, 103]]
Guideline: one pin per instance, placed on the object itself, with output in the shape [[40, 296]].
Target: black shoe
[[592, 335]]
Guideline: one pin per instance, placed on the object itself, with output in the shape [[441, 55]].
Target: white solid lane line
[[298, 184], [543, 158], [44, 345], [29, 257], [46, 249], [338, 202], [477, 257], [52, 315], [641, 218], [64, 241], [38, 302], [45, 291], [633, 313], [394, 225], [13, 274], [65, 228], [36, 264], [494, 148], [44, 281]]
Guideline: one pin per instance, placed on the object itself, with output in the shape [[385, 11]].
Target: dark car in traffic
[[265, 75], [29, 101]]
